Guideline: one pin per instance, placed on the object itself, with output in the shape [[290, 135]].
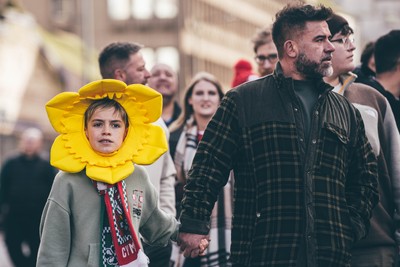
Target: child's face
[[105, 130]]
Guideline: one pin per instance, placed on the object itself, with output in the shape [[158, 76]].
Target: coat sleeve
[[362, 182], [167, 185], [55, 236], [156, 226], [392, 138]]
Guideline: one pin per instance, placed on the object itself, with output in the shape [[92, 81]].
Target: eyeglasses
[[262, 58], [346, 41]]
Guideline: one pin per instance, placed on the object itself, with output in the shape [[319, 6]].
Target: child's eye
[[116, 125], [97, 124]]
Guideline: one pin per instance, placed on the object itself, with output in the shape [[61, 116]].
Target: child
[[100, 200]]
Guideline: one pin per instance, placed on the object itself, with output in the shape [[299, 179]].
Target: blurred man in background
[[366, 70], [387, 62], [25, 183], [265, 51], [124, 61], [165, 81]]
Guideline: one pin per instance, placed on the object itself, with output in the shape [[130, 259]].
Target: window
[[166, 9], [118, 9], [62, 11], [142, 9], [166, 54]]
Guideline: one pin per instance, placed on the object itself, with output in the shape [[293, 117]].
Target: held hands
[[193, 245]]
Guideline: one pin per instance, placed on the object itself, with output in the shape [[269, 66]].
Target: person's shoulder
[[254, 84], [252, 89], [65, 182], [338, 98], [139, 178], [140, 173], [364, 88], [66, 177], [366, 93], [13, 157]]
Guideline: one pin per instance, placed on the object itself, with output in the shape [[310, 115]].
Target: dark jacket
[[291, 192]]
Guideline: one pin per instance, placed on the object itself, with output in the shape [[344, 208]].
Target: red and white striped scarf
[[120, 245]]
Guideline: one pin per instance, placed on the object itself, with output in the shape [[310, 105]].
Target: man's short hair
[[262, 37], [387, 52], [291, 21], [115, 56], [367, 53], [338, 24]]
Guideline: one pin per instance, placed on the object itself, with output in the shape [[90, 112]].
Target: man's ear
[[290, 48], [119, 74]]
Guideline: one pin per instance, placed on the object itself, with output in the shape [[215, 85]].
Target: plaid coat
[[291, 192]]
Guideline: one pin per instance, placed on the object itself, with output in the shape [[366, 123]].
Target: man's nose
[[330, 47], [267, 64]]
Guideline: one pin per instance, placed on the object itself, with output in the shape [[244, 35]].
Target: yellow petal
[[100, 174], [149, 98], [62, 159], [156, 145], [109, 175], [58, 106], [143, 144], [102, 88]]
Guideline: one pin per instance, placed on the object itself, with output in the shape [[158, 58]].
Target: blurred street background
[[51, 46]]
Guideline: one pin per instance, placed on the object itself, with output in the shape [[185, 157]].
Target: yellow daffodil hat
[[143, 144]]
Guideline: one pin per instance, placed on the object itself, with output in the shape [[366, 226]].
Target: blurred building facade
[[189, 35], [374, 17], [49, 46]]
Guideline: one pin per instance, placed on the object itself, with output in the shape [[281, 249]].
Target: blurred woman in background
[[201, 100]]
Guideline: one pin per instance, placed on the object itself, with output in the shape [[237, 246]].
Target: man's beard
[[312, 69]]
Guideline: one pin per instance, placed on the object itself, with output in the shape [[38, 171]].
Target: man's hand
[[192, 245]]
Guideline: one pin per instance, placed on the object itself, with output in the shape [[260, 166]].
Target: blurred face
[[266, 58], [164, 80], [31, 145], [314, 51], [205, 99], [135, 70], [105, 131], [342, 59]]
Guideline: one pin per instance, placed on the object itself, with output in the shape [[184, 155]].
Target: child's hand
[[192, 244], [203, 246]]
